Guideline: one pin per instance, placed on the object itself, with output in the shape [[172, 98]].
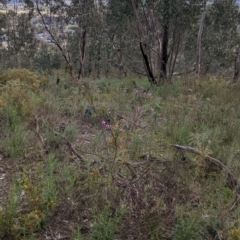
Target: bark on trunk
[[236, 76], [163, 66], [82, 46], [199, 43], [143, 45]]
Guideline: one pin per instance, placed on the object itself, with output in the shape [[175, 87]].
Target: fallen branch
[[73, 149], [235, 202], [44, 147], [233, 181], [71, 146]]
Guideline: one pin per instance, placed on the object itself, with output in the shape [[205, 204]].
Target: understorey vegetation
[[119, 120], [118, 159]]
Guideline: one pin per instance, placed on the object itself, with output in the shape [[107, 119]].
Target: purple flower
[[108, 126], [105, 125]]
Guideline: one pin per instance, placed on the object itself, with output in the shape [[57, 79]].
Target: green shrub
[[19, 89], [15, 134], [105, 224], [31, 80], [8, 211], [188, 225]]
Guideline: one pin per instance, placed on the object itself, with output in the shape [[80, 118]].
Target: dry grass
[[78, 177]]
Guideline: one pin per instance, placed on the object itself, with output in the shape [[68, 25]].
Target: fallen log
[[233, 181]]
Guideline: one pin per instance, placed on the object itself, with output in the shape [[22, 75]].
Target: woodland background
[[120, 120]]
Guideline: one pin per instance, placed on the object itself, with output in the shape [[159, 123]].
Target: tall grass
[[15, 133], [114, 174]]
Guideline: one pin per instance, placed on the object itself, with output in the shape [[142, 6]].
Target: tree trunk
[[99, 61], [199, 43], [164, 58], [82, 46], [173, 53], [147, 66], [143, 46], [165, 39], [236, 76]]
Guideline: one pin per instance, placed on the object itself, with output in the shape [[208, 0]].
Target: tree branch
[[71, 147], [233, 181], [55, 41]]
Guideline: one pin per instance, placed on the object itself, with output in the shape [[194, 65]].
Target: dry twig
[[43, 145], [72, 148]]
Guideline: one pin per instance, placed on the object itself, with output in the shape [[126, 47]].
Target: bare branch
[[71, 146], [55, 41], [233, 181]]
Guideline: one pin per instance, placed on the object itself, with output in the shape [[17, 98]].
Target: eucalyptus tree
[[77, 20], [49, 13], [80, 14], [23, 41], [17, 31], [123, 54], [162, 26], [85, 16], [220, 36]]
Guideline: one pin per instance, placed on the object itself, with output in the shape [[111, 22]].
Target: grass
[[95, 160]]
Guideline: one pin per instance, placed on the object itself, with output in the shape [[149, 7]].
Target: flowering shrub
[[234, 232], [106, 125], [30, 219], [31, 80], [19, 89]]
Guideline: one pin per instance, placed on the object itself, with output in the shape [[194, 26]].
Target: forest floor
[[118, 159]]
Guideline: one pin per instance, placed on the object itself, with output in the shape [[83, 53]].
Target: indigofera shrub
[[31, 80], [19, 88]]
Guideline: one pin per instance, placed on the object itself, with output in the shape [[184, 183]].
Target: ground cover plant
[[118, 159]]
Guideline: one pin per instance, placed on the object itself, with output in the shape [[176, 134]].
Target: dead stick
[[43, 145], [233, 180], [72, 148], [235, 202]]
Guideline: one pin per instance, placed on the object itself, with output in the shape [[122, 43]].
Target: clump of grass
[[77, 235], [188, 226], [15, 134], [9, 210], [49, 189], [29, 202], [121, 155], [105, 224], [39, 197]]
